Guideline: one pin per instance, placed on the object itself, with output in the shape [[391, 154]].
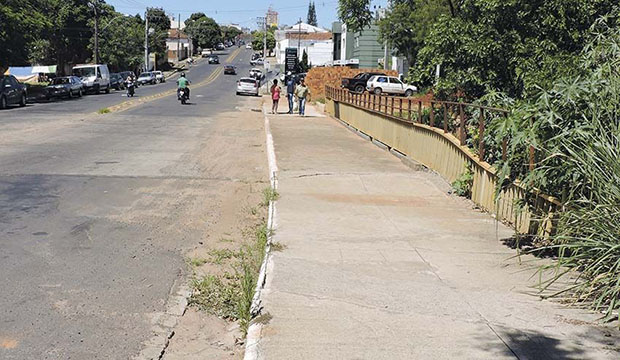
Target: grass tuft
[[103, 111], [269, 194]]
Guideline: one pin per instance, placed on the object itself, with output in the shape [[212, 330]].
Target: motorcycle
[[182, 95], [130, 88]]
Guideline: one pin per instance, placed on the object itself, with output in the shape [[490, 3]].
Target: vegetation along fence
[[452, 139]]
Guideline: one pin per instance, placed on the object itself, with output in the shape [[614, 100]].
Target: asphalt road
[[92, 103], [95, 214]]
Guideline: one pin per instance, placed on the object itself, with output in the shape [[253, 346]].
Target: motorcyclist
[[130, 84], [182, 85]]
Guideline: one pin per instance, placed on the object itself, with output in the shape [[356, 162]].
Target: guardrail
[[451, 117], [448, 137]]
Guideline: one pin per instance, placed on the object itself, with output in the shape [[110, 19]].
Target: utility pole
[[179, 40], [146, 41], [96, 52], [299, 40], [265, 47]]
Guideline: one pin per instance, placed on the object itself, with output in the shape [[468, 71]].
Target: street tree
[[407, 25], [257, 42], [355, 14], [203, 30], [23, 24], [160, 23], [121, 43], [312, 14], [304, 65], [230, 32], [512, 46]]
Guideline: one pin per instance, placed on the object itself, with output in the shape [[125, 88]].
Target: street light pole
[[93, 3], [146, 41], [265, 46]]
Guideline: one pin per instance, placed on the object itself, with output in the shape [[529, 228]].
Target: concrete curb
[[254, 331]]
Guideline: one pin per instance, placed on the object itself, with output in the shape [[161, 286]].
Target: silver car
[[248, 85], [159, 76]]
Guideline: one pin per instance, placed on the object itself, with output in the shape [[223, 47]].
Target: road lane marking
[[143, 100]]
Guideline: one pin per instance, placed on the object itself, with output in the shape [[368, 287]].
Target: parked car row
[[151, 77], [92, 78]]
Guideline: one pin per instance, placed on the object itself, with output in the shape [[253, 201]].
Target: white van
[[94, 77]]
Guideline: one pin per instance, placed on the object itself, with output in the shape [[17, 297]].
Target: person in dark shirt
[[290, 92]]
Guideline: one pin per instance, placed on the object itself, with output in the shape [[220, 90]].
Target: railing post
[[432, 114], [400, 107], [392, 107], [481, 135], [420, 111], [445, 118], [409, 109], [462, 125]]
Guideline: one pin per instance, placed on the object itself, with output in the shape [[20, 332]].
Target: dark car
[[230, 70], [125, 74], [65, 86], [213, 59], [358, 82], [116, 81], [11, 91]]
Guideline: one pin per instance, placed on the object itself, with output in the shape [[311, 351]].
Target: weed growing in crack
[[219, 255], [230, 295], [269, 194], [196, 262], [216, 295], [278, 246]]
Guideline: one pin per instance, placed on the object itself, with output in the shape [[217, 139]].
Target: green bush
[[463, 185]]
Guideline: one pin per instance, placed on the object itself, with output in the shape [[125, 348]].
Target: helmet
[[182, 74], [289, 73]]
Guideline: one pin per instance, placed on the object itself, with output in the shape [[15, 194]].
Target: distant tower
[[272, 17]]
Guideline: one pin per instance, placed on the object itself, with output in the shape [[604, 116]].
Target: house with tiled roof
[[317, 43]]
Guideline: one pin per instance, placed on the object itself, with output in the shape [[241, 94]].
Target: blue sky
[[243, 12]]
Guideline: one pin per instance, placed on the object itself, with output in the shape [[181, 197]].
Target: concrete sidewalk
[[380, 262]]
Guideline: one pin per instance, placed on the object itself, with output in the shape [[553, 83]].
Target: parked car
[[125, 74], [230, 70], [379, 84], [116, 81], [259, 61], [358, 82], [248, 46], [147, 78], [68, 86], [213, 59], [256, 74], [205, 52], [95, 77], [220, 46], [11, 91], [159, 76], [247, 85]]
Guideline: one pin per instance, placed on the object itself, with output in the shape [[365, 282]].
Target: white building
[[317, 43], [177, 41]]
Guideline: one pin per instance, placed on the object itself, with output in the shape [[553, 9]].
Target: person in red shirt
[[275, 96]]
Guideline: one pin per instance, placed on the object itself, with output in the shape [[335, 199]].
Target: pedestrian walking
[[290, 92], [302, 92], [275, 96]]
